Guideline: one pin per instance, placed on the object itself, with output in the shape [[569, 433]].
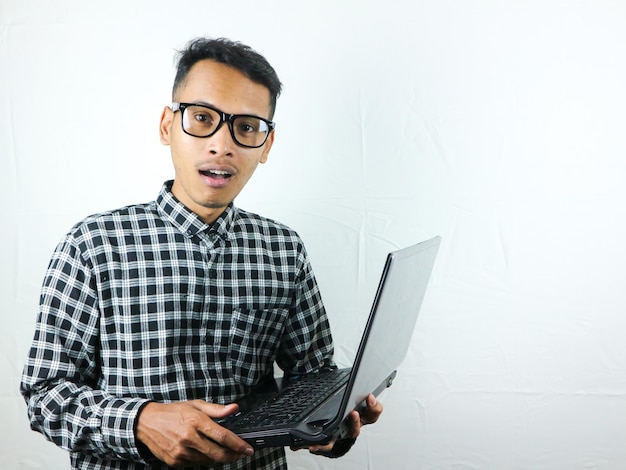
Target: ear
[[267, 147], [165, 127]]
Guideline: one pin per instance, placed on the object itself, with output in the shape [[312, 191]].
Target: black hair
[[234, 54]]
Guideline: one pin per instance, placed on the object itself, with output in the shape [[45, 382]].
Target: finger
[[229, 444], [215, 445], [225, 438], [354, 424], [372, 411], [371, 401]]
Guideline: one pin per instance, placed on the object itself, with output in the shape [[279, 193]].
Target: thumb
[[215, 410]]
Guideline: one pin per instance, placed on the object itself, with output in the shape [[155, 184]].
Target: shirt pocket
[[255, 337]]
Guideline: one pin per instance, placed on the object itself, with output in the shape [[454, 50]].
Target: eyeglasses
[[199, 120]]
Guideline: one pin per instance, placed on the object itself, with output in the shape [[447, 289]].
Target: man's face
[[210, 172]]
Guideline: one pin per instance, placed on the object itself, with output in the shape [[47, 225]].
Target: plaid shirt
[[148, 302]]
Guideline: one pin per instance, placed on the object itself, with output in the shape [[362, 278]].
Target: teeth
[[219, 172]]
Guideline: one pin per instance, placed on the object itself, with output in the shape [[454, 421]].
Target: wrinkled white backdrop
[[499, 125]]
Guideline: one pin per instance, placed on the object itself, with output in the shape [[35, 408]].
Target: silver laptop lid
[[392, 319]]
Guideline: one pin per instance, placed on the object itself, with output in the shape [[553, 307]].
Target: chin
[[213, 204]]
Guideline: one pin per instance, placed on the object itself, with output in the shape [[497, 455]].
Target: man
[[155, 318]]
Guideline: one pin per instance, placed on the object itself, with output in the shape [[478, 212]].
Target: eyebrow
[[203, 103]]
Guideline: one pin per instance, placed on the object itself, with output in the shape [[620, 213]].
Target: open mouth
[[216, 174]]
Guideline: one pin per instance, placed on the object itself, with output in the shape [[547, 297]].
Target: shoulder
[[116, 218], [99, 228], [249, 222], [274, 238]]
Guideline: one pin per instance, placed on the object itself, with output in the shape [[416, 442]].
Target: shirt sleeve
[[307, 343], [60, 378]]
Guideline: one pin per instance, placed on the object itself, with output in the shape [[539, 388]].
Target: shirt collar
[[187, 221]]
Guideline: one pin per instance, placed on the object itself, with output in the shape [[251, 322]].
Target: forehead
[[224, 87]]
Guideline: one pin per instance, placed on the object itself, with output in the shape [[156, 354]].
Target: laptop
[[312, 409]]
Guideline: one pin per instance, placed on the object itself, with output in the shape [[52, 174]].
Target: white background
[[499, 125]]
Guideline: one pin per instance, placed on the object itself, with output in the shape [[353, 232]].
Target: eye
[[202, 118], [247, 126]]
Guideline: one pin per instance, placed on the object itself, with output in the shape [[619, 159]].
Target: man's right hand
[[184, 433]]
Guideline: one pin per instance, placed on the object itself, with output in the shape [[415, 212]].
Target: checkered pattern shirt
[[148, 302]]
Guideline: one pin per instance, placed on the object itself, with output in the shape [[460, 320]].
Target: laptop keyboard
[[295, 400]]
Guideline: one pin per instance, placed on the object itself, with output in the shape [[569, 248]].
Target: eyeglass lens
[[248, 131]]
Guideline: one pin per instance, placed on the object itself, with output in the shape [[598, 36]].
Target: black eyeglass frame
[[224, 117]]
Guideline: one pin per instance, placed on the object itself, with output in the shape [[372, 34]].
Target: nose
[[221, 143]]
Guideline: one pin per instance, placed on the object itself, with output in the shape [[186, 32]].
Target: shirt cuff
[[118, 428]]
